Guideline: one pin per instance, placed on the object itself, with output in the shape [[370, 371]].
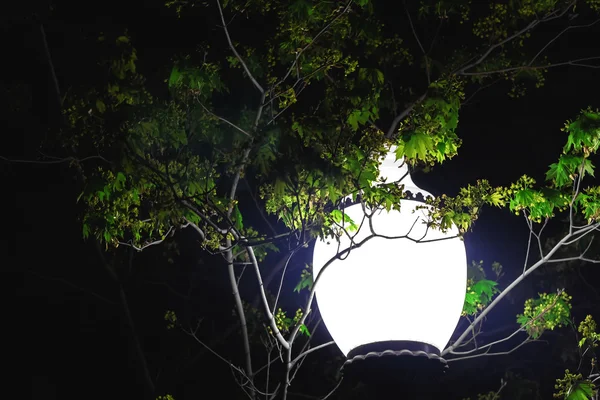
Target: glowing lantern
[[392, 294]]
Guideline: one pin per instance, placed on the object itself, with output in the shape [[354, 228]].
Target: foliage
[[171, 319], [284, 323], [574, 387], [588, 330], [487, 396], [162, 171], [428, 135], [548, 311], [463, 209], [480, 290], [306, 281], [289, 122]]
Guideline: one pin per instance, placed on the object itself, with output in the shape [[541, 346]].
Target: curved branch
[[292, 253], [55, 160], [559, 35], [576, 63], [299, 54], [261, 287], [518, 280], [307, 352], [412, 27], [224, 120], [489, 344], [129, 318], [240, 310], [532, 25], [501, 353], [403, 115], [72, 285], [154, 243]]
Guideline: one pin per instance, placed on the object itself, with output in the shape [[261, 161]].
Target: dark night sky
[[67, 343]]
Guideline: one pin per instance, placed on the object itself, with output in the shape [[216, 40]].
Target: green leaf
[[306, 281], [522, 319], [588, 167], [417, 146], [353, 120], [100, 106], [582, 390], [558, 174], [175, 77], [566, 168], [279, 187], [119, 181], [237, 218], [304, 330], [496, 199], [582, 342], [337, 216], [486, 287], [525, 197]]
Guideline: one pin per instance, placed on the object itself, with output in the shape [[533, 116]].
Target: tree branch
[[412, 27], [559, 35], [530, 26], [502, 353], [146, 245], [224, 120], [235, 52], [240, 310], [282, 278], [403, 115], [125, 304], [518, 280], [307, 352], [72, 285], [51, 66], [299, 54], [577, 63], [263, 295], [55, 160]]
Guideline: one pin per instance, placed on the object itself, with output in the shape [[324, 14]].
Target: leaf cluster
[[546, 312], [574, 387], [480, 291]]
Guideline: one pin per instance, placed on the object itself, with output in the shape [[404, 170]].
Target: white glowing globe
[[392, 289]]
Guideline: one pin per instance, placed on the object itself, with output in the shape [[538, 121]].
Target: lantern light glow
[[392, 289]]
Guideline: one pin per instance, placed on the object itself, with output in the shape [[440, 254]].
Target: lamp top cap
[[396, 170]]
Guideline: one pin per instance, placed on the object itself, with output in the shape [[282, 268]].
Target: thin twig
[[403, 115], [559, 35], [307, 352], [146, 245], [576, 63], [261, 287], [321, 32], [281, 281], [224, 120], [412, 27], [510, 287], [72, 285], [56, 161], [530, 26], [486, 354]]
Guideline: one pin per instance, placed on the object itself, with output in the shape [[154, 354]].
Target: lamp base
[[396, 367]]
